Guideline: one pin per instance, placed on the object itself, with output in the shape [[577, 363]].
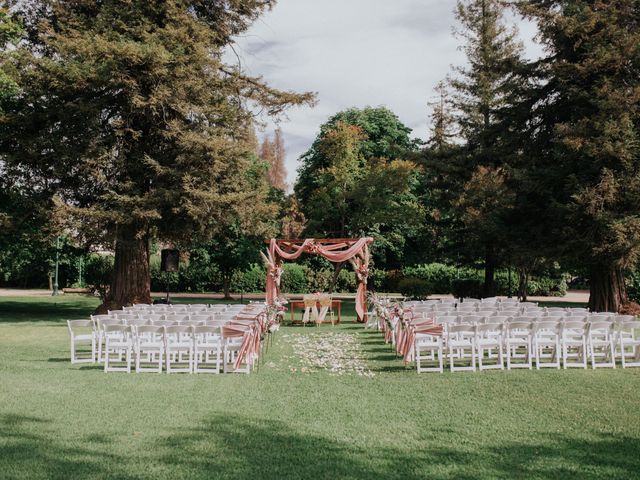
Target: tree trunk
[[523, 284], [131, 280], [226, 284], [489, 289], [608, 291]]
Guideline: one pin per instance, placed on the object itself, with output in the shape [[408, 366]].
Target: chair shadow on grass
[[234, 447]]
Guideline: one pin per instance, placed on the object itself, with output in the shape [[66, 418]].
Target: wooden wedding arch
[[336, 250]]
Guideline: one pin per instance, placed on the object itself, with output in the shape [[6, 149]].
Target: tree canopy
[[128, 117]]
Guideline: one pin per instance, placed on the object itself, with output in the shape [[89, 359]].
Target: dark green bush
[[346, 281], [633, 286], [437, 275], [414, 288], [466, 287], [97, 274], [294, 279], [252, 280]]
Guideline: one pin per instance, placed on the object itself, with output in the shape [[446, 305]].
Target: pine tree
[[480, 91], [441, 132], [131, 121], [582, 138]]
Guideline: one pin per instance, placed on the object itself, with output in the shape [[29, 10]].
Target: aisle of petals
[[337, 352]]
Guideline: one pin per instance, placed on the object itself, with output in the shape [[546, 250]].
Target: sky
[[355, 53]]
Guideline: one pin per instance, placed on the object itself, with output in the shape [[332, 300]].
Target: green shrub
[[437, 275], [392, 280], [377, 279], [346, 281], [97, 274], [414, 288], [633, 286], [466, 287], [318, 280], [294, 279], [252, 280]]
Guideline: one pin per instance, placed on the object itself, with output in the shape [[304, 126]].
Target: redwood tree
[[129, 117], [582, 135]]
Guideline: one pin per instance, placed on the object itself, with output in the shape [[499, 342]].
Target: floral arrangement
[[275, 313]]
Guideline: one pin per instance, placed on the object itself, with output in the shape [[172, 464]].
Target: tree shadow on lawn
[[26, 451], [256, 448], [43, 311], [233, 447]]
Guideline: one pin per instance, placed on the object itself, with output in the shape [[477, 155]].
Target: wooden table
[[335, 305]]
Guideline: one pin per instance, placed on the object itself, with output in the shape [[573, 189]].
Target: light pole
[[55, 280]]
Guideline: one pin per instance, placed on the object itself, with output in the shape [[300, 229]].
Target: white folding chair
[[117, 341], [461, 343], [577, 311], [100, 335], [175, 309], [176, 318], [82, 333], [126, 318], [151, 318], [197, 307], [574, 344], [178, 341], [149, 342], [137, 322], [546, 342], [465, 309], [470, 319], [629, 342], [518, 343], [428, 349], [489, 337], [207, 354], [600, 344], [231, 348]]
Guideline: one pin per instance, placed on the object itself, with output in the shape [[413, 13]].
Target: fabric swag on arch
[[355, 251]]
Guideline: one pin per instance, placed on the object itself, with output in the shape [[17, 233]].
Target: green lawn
[[64, 421]]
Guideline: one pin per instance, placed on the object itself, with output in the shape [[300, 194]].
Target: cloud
[[354, 53]]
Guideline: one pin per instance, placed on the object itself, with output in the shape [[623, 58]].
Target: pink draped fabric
[[333, 252]]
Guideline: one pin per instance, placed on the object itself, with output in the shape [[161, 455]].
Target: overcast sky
[[355, 53]]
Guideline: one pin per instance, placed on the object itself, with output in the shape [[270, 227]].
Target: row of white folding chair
[[155, 309], [100, 321], [546, 341], [175, 317], [205, 349], [158, 345]]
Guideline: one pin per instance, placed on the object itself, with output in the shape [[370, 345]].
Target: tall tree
[[278, 171], [273, 152], [441, 132], [130, 119], [583, 127], [480, 90], [355, 180]]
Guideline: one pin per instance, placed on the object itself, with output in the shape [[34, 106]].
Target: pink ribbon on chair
[[248, 341], [425, 327]]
